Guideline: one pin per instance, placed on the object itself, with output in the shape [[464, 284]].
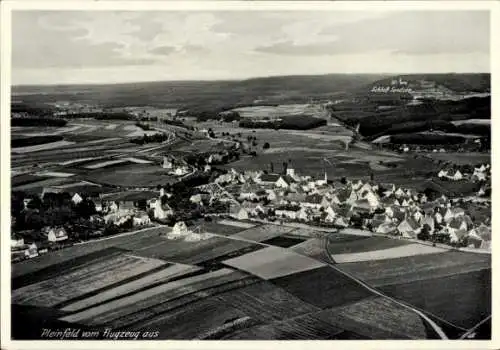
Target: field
[[323, 287], [390, 250], [273, 262], [462, 158], [464, 299], [87, 278], [90, 149], [259, 112], [226, 288], [455, 286]]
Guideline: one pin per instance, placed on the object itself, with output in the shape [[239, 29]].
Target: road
[[431, 323], [120, 235], [434, 326]]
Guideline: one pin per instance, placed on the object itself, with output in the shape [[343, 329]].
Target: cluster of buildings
[[392, 211], [478, 174]]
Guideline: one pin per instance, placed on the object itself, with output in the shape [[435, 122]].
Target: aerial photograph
[[250, 175]]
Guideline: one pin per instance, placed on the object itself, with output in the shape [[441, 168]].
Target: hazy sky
[[51, 47]]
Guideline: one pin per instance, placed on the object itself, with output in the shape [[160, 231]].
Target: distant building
[[56, 234]]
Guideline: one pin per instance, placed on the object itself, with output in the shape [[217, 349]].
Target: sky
[[71, 47]]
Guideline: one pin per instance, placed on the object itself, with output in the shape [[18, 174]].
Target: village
[[266, 196]]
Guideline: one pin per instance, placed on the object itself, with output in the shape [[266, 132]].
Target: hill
[[201, 95]]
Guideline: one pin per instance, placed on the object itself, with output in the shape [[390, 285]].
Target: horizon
[[246, 79], [113, 47]]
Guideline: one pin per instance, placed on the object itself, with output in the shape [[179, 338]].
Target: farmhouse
[[341, 221], [371, 197], [76, 198], [285, 182], [141, 220], [361, 206], [57, 234], [179, 230], [409, 228], [289, 211], [312, 201], [249, 192], [268, 179], [162, 210], [242, 214], [167, 163], [457, 176]]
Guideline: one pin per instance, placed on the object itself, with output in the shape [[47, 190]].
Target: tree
[[424, 234], [266, 145], [35, 203], [85, 208]]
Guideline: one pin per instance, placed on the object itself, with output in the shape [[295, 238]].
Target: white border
[[8, 6]]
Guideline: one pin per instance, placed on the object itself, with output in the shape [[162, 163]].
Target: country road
[[434, 326]]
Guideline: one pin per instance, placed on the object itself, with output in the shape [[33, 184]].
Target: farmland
[[244, 280], [242, 290]]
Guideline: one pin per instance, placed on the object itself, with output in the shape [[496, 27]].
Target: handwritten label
[[107, 333], [390, 89]]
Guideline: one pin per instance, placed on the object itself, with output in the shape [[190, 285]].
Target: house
[[457, 212], [179, 230], [56, 234], [167, 163], [362, 206], [356, 186], [418, 216], [16, 243], [249, 192], [443, 174], [438, 217], [341, 221], [196, 199], [304, 214], [423, 199], [481, 233], [290, 212], [330, 211], [429, 221], [242, 214], [409, 228], [180, 170], [267, 178], [76, 198], [295, 198], [330, 218], [379, 219], [334, 199], [457, 235], [325, 202], [141, 220], [285, 181], [399, 193], [370, 187], [162, 210], [371, 197], [271, 195], [457, 176], [98, 204], [152, 203], [478, 176], [456, 224], [291, 172], [386, 228], [312, 201], [214, 158], [448, 215], [389, 211]]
